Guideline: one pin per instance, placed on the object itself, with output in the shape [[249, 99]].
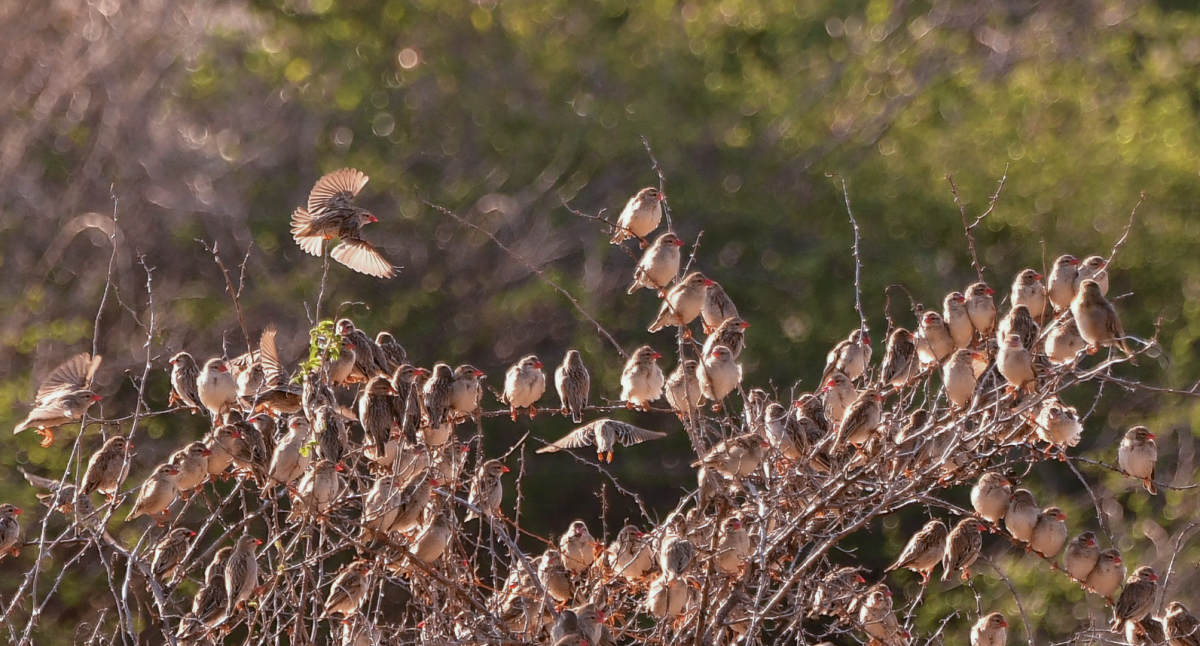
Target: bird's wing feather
[[362, 257], [73, 374], [336, 189], [628, 434]]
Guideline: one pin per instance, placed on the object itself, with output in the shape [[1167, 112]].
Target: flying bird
[[64, 396], [331, 215], [604, 434]]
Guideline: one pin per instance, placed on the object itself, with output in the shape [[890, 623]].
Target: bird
[[1181, 626], [1028, 290], [683, 389], [1148, 631], [380, 506], [604, 433], [577, 547], [1097, 320], [107, 468], [1049, 533], [718, 374], [1106, 577], [1021, 322], [369, 359], [1058, 424], [990, 630], [730, 333], [981, 309], [1063, 342], [1093, 267], [291, 459], [960, 376], [924, 550], [668, 597], [329, 214], [376, 411], [524, 383], [717, 308], [642, 379], [156, 494], [1062, 283], [1081, 556], [835, 591], [466, 393], [659, 264], [349, 589], [933, 340], [241, 573], [438, 393], [1022, 515], [64, 396], [850, 356], [899, 359], [1137, 456], [487, 491], [1015, 364], [10, 530], [963, 545], [736, 457], [877, 619], [210, 603], [573, 383], [629, 555], [217, 388], [675, 552], [433, 539], [220, 442], [733, 546], [407, 382], [317, 490], [394, 354], [1137, 599], [192, 463], [958, 321], [990, 496], [838, 393], [184, 372], [861, 418], [553, 574], [169, 552], [330, 433], [682, 303], [640, 217]]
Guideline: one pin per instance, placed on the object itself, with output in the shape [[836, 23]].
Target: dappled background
[[165, 125]]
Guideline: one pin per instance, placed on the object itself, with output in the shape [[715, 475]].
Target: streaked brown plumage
[[466, 393], [573, 383], [963, 545], [1022, 515], [407, 381], [291, 459], [849, 357], [717, 308], [861, 419], [330, 214], [348, 589], [958, 321], [438, 392], [10, 530], [192, 462], [730, 333], [332, 438], [899, 359], [394, 354], [578, 547], [184, 372], [318, 489], [1138, 456], [1097, 320], [1181, 626], [487, 491], [629, 555], [933, 340], [107, 468], [924, 550], [1137, 599], [981, 309], [376, 411], [682, 303], [241, 573], [156, 494], [552, 572], [169, 552], [63, 396], [369, 359]]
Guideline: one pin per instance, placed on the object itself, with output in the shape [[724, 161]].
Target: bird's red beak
[[95, 398], [206, 452], [656, 356], [1037, 276], [678, 242], [538, 365], [708, 281], [17, 511], [989, 291], [506, 470]]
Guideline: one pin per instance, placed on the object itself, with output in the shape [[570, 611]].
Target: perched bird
[[990, 630], [990, 496], [317, 490], [217, 388], [899, 359], [981, 309], [241, 573], [210, 603], [668, 597], [10, 529], [1063, 279], [1049, 533], [184, 373], [717, 308], [963, 545], [1138, 455], [331, 434], [683, 389], [578, 548], [1019, 321], [642, 379], [877, 619], [958, 321], [861, 418], [1058, 424], [1081, 556], [291, 460], [604, 434], [192, 463], [169, 552], [466, 392], [439, 391], [340, 369], [736, 457], [1137, 599], [733, 546], [1028, 290], [718, 374], [394, 354], [1015, 364], [1093, 267], [933, 340], [1063, 342], [407, 382], [63, 397], [380, 506], [682, 303], [330, 214], [629, 555], [1181, 626], [552, 572], [157, 494], [220, 442], [836, 591], [524, 384], [573, 383], [487, 491], [640, 217], [411, 499], [369, 360], [349, 589], [432, 540], [1148, 631], [960, 376], [658, 265], [1022, 515], [1107, 575], [107, 468], [376, 411], [924, 550], [849, 357], [838, 393], [1097, 319], [675, 552], [730, 333]]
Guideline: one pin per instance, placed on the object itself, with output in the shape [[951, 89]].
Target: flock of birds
[[394, 455]]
